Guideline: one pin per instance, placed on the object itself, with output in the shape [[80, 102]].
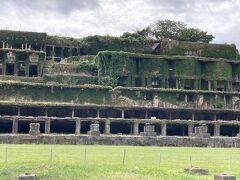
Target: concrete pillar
[[7, 45], [170, 116], [163, 129], [98, 113], [193, 116], [18, 112], [209, 85], [26, 46], [53, 53], [30, 47], [146, 114], [46, 113], [62, 50], [15, 126], [136, 128], [190, 129], [72, 113], [122, 114], [214, 117], [216, 129], [22, 46], [78, 126], [47, 126], [3, 45], [107, 127], [186, 98]]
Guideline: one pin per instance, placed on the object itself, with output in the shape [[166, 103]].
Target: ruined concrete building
[[118, 86]]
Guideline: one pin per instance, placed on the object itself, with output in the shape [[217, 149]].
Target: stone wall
[[121, 140]]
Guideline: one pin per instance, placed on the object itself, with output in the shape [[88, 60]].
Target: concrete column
[[72, 113], [18, 112], [15, 126], [146, 114], [170, 116], [136, 128], [217, 129], [47, 126], [193, 116], [62, 50], [22, 46], [30, 47], [53, 53], [190, 129], [78, 126], [122, 114], [26, 46], [46, 113], [214, 117], [3, 45], [209, 85], [98, 113], [163, 129], [186, 98], [107, 127], [7, 45]]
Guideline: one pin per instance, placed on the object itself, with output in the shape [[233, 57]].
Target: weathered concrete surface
[[196, 170], [120, 140], [224, 177], [27, 176]]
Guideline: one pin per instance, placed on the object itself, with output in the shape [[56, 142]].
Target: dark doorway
[[9, 69], [6, 127], [33, 71], [117, 127]]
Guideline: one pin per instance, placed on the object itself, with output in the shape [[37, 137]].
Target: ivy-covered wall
[[93, 44], [187, 68], [198, 49], [20, 37], [219, 70]]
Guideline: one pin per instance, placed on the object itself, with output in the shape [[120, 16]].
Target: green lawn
[[106, 162]]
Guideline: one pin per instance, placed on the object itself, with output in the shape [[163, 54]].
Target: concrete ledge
[[27, 176], [224, 177], [120, 140], [196, 170]]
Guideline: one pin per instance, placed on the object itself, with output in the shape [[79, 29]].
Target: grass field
[[107, 162]]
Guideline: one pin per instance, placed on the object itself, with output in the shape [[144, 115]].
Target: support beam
[[136, 128], [47, 126], [15, 126], [78, 126], [216, 129], [163, 129], [18, 112], [190, 129], [186, 98], [107, 127]]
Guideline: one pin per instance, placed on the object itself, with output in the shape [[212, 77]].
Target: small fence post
[[51, 154], [190, 161], [124, 156], [6, 154]]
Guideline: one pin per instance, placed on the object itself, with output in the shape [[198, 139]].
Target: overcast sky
[[80, 18]]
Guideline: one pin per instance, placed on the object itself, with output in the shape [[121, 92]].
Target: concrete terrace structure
[[168, 88]]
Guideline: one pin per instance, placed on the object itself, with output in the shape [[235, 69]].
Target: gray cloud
[[87, 17]]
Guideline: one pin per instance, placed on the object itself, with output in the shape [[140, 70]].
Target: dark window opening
[[229, 130], [138, 82], [137, 65], [66, 127], [82, 52], [8, 111], [133, 114], [149, 96], [21, 71], [74, 52], [35, 112], [6, 126], [33, 71], [172, 83], [59, 112], [110, 113], [204, 85], [124, 128], [122, 81], [177, 130], [85, 113], [180, 97], [9, 69], [85, 127]]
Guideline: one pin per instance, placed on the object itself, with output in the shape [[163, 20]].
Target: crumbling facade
[[152, 88]]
